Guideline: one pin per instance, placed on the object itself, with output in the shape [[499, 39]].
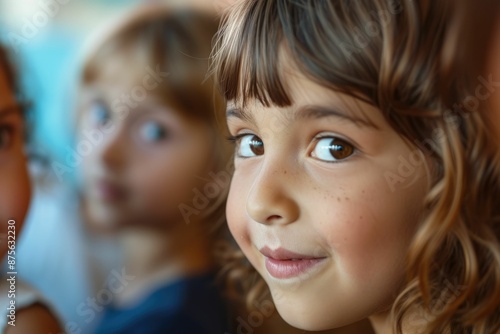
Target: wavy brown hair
[[390, 54]]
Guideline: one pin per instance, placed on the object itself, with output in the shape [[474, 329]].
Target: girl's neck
[[381, 323], [158, 257]]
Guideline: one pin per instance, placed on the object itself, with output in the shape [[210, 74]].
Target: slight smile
[[283, 264]]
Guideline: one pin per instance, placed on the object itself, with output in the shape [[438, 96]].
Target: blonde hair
[[389, 54]]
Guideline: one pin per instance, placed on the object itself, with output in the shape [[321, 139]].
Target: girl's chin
[[313, 317], [299, 321]]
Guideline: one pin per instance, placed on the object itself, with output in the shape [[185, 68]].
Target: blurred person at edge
[[23, 308]]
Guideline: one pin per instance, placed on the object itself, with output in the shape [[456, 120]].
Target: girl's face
[[145, 161], [324, 203], [14, 180]]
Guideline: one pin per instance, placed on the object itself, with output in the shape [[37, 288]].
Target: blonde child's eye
[[332, 149], [99, 113], [249, 145], [152, 132]]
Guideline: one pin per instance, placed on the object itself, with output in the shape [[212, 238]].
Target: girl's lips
[[282, 263]]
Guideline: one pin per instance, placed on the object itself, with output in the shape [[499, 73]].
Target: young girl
[[357, 192], [154, 171], [23, 310]]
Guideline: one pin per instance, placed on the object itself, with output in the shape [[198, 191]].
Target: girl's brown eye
[[332, 149], [250, 146]]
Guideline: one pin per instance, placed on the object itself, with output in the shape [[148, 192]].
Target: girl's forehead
[[310, 99]]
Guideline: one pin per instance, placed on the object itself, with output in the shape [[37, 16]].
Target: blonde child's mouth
[[110, 192]]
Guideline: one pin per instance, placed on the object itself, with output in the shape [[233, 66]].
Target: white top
[[25, 296]]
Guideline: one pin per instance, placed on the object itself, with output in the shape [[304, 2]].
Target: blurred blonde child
[[157, 178]]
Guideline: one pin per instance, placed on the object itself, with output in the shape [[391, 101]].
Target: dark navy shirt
[[189, 306]]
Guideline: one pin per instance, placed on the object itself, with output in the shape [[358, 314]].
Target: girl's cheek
[[363, 227], [236, 212], [239, 224], [348, 231]]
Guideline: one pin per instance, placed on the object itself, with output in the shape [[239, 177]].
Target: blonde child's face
[[314, 207], [14, 180], [148, 162]]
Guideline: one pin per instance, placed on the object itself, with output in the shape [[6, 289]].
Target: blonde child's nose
[[113, 150]]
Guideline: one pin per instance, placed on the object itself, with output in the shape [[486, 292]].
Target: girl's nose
[[269, 201]]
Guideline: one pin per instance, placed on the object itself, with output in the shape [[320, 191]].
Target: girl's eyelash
[[356, 151], [231, 139], [235, 139], [323, 136]]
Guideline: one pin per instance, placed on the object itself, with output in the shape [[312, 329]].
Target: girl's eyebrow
[[240, 113], [304, 112], [315, 111]]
